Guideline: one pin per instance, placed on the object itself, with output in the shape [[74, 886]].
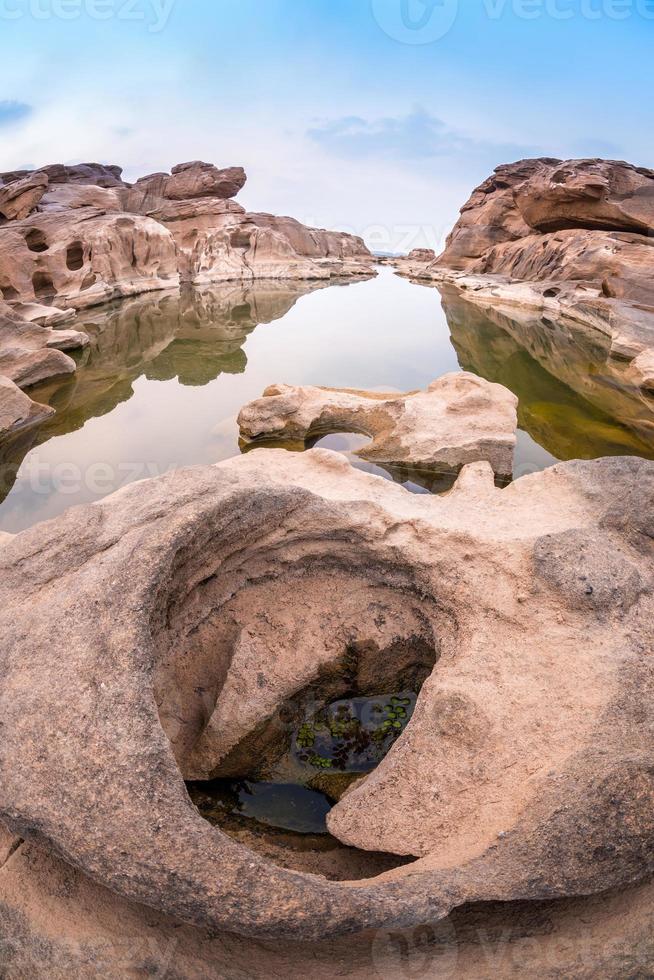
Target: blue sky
[[373, 115]]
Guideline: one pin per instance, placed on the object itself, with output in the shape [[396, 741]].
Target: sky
[[373, 116]]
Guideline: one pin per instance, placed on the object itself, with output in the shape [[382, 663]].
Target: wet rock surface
[[459, 419], [132, 630]]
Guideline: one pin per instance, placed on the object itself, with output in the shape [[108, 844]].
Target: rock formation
[[17, 410], [572, 238], [80, 236], [575, 399], [135, 633], [459, 419]]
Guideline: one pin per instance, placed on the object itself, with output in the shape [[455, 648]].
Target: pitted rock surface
[[526, 772], [76, 237]]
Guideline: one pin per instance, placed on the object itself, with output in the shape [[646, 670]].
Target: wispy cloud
[[417, 136], [13, 112]]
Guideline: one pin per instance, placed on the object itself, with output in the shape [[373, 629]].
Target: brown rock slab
[[20, 197]]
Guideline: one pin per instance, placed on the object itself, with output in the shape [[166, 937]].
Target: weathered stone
[[30, 353], [459, 419], [526, 772], [194, 180], [572, 238], [17, 410], [20, 197], [82, 257]]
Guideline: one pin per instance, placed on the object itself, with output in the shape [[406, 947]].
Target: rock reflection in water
[[574, 400], [194, 336]]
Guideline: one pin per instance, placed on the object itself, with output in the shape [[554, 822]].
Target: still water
[[164, 378]]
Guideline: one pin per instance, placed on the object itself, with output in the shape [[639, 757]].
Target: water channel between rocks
[[165, 376]]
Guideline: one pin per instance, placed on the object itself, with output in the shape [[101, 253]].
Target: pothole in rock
[[282, 812]]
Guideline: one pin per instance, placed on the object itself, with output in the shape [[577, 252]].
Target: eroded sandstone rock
[[17, 410], [567, 237], [459, 419], [526, 772], [30, 353], [19, 198], [82, 236]]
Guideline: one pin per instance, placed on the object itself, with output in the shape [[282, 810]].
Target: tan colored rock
[[525, 774], [17, 411], [459, 419], [30, 353], [549, 223], [20, 197], [82, 257]]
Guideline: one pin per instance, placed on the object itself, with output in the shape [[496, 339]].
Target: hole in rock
[[36, 241], [8, 292], [290, 654], [75, 256], [286, 777], [43, 285]]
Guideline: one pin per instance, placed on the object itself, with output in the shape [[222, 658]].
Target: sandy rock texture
[[526, 773], [572, 238], [76, 237], [459, 419]]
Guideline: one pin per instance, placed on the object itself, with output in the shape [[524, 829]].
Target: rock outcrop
[[80, 236], [18, 198], [526, 773], [17, 410], [572, 238], [459, 419]]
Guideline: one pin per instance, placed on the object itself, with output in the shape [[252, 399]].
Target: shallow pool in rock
[[165, 375], [334, 746]]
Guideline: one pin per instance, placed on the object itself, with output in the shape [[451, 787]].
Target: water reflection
[[165, 375], [574, 400]]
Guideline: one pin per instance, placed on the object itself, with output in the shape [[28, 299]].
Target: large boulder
[[19, 198], [525, 774], [459, 419], [601, 195], [196, 180]]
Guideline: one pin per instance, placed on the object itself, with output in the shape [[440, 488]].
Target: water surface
[[165, 376]]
